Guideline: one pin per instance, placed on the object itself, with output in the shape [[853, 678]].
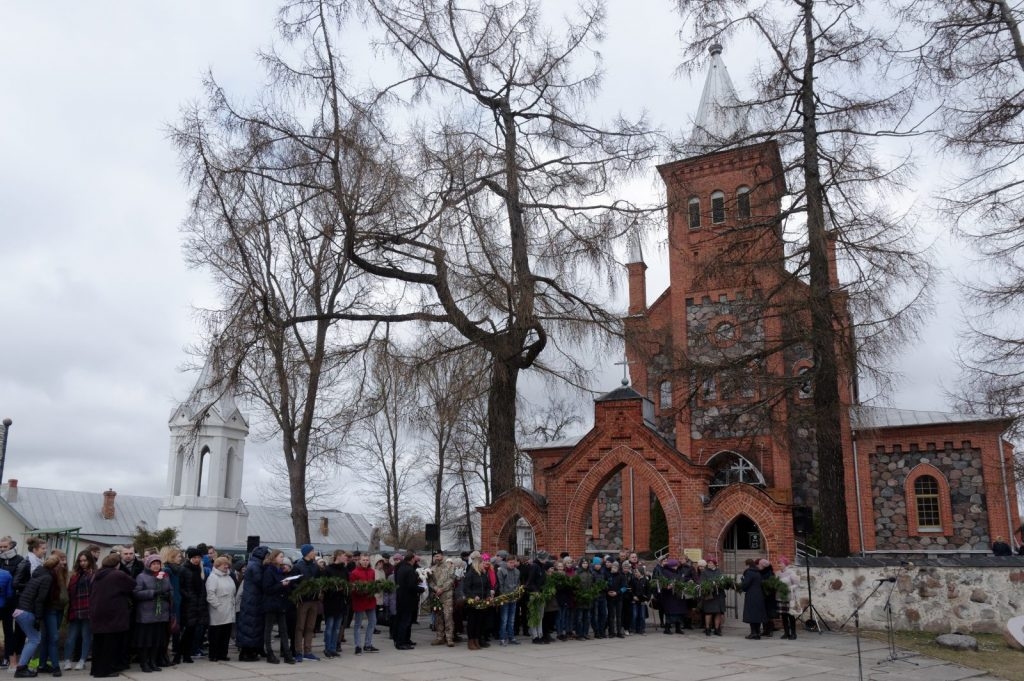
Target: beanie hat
[[485, 557], [305, 549], [155, 558], [702, 563], [503, 554], [542, 555], [763, 563], [784, 560], [597, 560], [192, 552]]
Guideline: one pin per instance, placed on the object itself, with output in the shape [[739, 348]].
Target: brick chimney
[[12, 490], [109, 510], [325, 528]]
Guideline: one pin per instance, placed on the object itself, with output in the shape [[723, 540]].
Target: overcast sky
[[95, 300]]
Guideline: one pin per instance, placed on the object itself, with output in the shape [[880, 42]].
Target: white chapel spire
[[721, 117]]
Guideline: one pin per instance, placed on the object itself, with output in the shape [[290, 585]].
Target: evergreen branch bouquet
[[716, 586], [774, 587], [318, 587], [585, 595], [538, 600], [377, 586]]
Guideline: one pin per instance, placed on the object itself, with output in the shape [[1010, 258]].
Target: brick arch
[[751, 501], [495, 518], [583, 497]]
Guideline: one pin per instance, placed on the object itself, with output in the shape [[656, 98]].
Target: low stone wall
[[969, 595]]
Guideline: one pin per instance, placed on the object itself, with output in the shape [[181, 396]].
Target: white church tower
[[204, 471]]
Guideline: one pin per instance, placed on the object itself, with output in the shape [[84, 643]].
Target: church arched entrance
[[741, 540], [517, 536]]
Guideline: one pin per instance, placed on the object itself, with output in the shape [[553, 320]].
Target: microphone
[[886, 579]]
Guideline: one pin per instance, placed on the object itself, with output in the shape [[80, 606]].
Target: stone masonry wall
[[933, 598], [963, 471], [609, 515]]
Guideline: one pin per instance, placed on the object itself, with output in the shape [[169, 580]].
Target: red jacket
[[360, 602]]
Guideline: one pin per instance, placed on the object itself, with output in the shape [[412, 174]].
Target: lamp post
[[3, 447]]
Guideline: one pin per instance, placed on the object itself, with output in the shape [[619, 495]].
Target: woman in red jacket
[[364, 606]]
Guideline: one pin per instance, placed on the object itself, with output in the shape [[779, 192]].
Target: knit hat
[[763, 563], [702, 563], [486, 557], [155, 558], [543, 555], [597, 560], [784, 560], [192, 552], [503, 554], [305, 549]]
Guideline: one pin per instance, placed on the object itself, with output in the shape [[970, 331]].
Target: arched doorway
[[741, 540], [517, 536]]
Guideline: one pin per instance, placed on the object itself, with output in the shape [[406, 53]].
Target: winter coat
[[110, 604], [194, 609], [78, 592], [308, 569], [220, 598], [791, 578], [616, 582], [671, 602], [275, 591], [6, 588], [754, 608], [508, 579], [475, 584], [36, 594], [712, 605], [538, 576], [361, 603], [640, 585], [335, 602], [249, 624], [133, 569], [152, 598], [407, 585], [174, 577]]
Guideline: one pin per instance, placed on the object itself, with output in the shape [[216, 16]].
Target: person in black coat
[[14, 638], [32, 604], [755, 611], [249, 625], [407, 600], [1001, 548], [276, 592], [195, 613], [109, 614]]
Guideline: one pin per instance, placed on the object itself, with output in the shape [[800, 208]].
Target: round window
[[726, 331]]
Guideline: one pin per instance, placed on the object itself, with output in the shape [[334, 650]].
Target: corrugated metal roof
[[66, 508], [865, 417], [554, 444]]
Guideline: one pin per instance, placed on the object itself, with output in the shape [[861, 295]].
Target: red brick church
[[714, 430]]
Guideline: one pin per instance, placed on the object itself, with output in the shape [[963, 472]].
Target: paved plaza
[[692, 657]]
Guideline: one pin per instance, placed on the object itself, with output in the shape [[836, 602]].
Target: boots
[[272, 658], [473, 644]]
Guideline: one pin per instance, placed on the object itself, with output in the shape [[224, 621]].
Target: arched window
[[694, 213], [717, 207], [805, 378], [203, 472], [665, 394], [729, 469], [926, 499], [928, 502], [743, 203]]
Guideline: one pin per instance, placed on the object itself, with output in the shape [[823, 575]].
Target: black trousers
[[403, 626], [106, 653], [220, 638], [269, 620]]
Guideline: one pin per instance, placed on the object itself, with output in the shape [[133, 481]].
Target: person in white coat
[[791, 578], [221, 594]]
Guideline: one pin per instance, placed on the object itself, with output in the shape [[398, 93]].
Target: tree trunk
[[501, 425], [835, 537], [297, 492]]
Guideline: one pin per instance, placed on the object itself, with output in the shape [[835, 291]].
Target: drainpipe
[[856, 483], [1006, 490]]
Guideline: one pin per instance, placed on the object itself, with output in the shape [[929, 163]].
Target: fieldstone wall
[[731, 416], [609, 513], [934, 598], [963, 470]]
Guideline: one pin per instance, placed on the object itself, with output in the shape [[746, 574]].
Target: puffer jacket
[[220, 598], [36, 593], [249, 624], [194, 610], [152, 598]]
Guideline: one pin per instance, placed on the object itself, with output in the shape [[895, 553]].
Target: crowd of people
[[168, 607]]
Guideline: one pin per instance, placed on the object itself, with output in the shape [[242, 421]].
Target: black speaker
[[432, 533], [251, 542], [803, 520]]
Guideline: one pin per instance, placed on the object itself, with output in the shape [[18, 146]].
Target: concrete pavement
[[693, 657]]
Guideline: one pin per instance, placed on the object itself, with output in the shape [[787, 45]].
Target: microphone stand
[[855, 616], [889, 628], [811, 624]]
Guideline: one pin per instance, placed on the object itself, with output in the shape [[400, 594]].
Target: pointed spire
[[634, 254], [720, 117], [213, 391]]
